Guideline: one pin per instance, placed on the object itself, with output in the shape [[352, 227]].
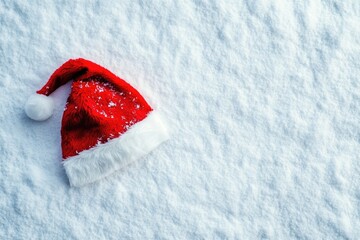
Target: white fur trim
[[39, 107], [104, 159]]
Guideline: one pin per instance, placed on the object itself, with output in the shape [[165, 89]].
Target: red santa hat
[[106, 123]]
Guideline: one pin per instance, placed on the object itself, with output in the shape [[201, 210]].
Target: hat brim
[[104, 159]]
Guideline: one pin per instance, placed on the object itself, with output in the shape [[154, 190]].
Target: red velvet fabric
[[101, 106]]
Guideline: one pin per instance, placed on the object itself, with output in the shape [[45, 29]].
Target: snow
[[262, 97]]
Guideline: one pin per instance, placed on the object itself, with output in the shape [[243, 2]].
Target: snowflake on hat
[[106, 122]]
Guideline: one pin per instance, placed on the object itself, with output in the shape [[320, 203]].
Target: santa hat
[[106, 123]]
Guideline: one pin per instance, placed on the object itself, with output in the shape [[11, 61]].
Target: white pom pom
[[39, 107]]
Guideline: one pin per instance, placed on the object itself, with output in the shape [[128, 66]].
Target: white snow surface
[[262, 97]]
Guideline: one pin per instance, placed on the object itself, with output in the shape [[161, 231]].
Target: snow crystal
[[111, 104], [263, 100]]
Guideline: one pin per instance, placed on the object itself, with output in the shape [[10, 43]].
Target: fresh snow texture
[[262, 99]]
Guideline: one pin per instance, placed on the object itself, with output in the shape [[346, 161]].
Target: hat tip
[[39, 107]]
